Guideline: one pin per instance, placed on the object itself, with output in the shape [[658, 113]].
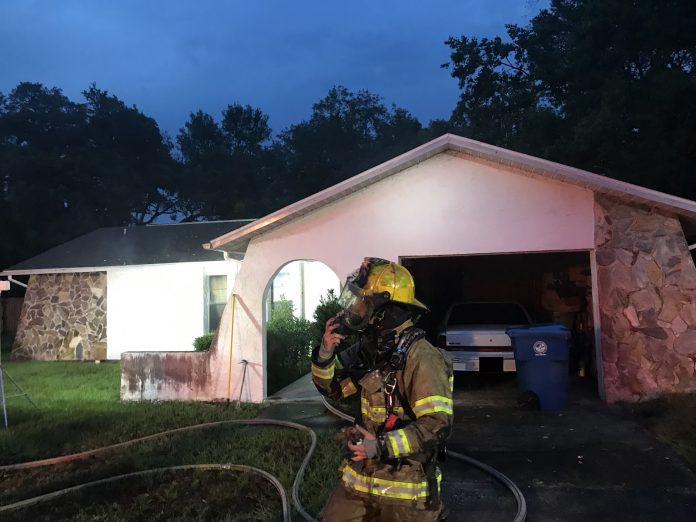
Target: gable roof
[[237, 240], [138, 245]]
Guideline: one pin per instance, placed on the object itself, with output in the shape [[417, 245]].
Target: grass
[[672, 420], [78, 408]]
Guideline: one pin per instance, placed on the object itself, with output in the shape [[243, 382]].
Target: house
[[149, 287], [474, 221]]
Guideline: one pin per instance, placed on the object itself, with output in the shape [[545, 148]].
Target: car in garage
[[473, 335]]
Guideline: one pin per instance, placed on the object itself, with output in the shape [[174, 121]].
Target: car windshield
[[487, 313]]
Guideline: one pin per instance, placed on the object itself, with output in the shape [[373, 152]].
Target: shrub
[[289, 341], [202, 343]]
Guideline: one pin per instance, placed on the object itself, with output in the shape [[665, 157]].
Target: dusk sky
[[171, 58]]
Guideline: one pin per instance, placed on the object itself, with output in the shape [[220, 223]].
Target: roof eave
[[82, 269]]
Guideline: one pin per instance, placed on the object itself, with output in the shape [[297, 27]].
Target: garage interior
[[553, 287]]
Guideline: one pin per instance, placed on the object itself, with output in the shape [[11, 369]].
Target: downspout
[[13, 280], [226, 257], [302, 290], [229, 366]]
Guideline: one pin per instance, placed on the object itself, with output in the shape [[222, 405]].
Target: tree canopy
[[608, 86], [605, 86], [67, 168], [346, 133]]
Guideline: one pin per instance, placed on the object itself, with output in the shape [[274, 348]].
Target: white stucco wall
[[446, 205], [159, 307]]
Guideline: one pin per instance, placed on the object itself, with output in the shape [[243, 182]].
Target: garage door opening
[[552, 287]]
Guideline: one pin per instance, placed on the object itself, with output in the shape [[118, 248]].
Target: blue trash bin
[[541, 357]]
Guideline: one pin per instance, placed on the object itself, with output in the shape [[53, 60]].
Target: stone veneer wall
[[63, 317], [647, 297]]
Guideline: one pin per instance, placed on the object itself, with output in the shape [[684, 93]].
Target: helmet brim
[[420, 306]]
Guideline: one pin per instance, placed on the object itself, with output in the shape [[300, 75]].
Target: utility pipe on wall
[[13, 280], [229, 366]]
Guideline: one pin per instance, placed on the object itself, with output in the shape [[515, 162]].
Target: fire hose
[[521, 504]]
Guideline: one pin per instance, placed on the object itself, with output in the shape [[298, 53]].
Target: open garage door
[[552, 287]]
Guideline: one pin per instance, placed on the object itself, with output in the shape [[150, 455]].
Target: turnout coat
[[406, 471]]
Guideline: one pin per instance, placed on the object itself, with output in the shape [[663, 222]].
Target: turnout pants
[[343, 506]]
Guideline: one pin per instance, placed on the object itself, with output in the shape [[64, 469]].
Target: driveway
[[592, 462]]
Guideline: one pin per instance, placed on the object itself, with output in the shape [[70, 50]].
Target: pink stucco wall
[[446, 205]]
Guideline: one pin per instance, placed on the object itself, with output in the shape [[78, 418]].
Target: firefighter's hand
[[330, 339], [364, 449]]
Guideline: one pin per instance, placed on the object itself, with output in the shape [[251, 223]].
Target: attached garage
[[549, 286], [469, 218]]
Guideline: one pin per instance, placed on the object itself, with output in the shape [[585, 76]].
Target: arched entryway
[[290, 299]]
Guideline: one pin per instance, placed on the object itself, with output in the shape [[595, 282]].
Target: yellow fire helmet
[[376, 281], [396, 280]]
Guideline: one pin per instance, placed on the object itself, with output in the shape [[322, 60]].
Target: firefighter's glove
[[364, 446]]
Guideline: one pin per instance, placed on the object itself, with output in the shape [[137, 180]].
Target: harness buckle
[[390, 383]]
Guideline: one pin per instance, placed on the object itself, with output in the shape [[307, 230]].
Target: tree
[[346, 133], [40, 130], [225, 165], [606, 86], [135, 171], [67, 168]]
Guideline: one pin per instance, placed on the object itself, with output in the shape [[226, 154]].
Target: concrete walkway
[[592, 462]]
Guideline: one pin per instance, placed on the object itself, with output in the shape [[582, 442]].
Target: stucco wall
[[63, 317], [647, 296], [160, 307], [446, 205]]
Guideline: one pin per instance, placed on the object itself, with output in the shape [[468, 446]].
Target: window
[[217, 298]]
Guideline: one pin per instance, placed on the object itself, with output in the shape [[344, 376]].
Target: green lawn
[[78, 408]]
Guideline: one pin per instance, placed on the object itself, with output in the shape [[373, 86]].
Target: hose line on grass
[[519, 497], [223, 467], [84, 454]]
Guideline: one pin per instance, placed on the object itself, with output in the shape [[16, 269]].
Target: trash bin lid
[[544, 329]]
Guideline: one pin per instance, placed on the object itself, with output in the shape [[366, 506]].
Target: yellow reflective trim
[[436, 409], [376, 413], [432, 398], [323, 373], [398, 441], [433, 404], [394, 447], [451, 383], [385, 488], [348, 388], [407, 445]]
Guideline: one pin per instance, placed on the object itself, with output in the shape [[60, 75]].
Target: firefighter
[[391, 471]]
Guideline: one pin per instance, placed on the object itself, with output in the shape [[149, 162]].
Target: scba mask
[[359, 306]]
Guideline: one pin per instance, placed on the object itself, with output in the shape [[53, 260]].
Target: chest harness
[[396, 363]]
